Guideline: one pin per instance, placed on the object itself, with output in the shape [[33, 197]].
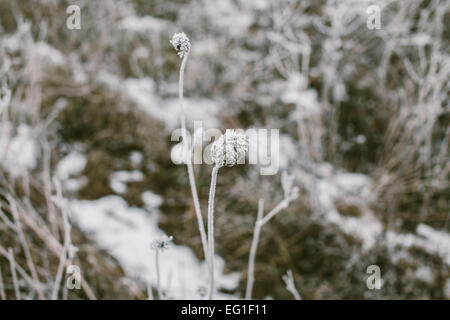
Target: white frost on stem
[[253, 248], [68, 250], [158, 277], [290, 193], [212, 191], [26, 249], [160, 245], [290, 285], [12, 264], [181, 43], [228, 150], [2, 287]]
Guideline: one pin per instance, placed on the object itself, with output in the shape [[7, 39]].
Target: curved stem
[[212, 191], [190, 168], [253, 248]]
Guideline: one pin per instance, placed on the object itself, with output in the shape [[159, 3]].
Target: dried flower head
[[229, 149], [161, 243], [181, 43]]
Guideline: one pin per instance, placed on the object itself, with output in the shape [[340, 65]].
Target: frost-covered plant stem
[[228, 150], [2, 287], [212, 191], [158, 281], [190, 169], [68, 250], [260, 222], [290, 193], [26, 249], [158, 245], [290, 285], [253, 248], [12, 264]]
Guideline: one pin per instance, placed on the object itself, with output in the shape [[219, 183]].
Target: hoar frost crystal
[[229, 149], [181, 43]]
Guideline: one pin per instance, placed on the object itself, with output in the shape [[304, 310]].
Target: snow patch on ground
[[49, 55], [142, 92], [427, 238], [119, 179], [72, 164], [354, 188], [127, 233], [331, 185], [143, 24], [19, 153]]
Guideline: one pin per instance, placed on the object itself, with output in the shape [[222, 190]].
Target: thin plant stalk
[[62, 258], [290, 285], [190, 168], [212, 192], [26, 250], [66, 256], [253, 248], [12, 264], [2, 287], [19, 269], [60, 271], [50, 241], [158, 282], [159, 245], [260, 222]]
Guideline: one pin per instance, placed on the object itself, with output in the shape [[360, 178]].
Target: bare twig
[[290, 285], [26, 250], [253, 248], [12, 264], [2, 286], [290, 194], [158, 276], [19, 269], [55, 247], [63, 259]]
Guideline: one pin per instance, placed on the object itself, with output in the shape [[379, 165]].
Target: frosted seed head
[[181, 43], [229, 149], [161, 243]]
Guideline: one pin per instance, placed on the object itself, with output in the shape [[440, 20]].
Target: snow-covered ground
[[127, 233]]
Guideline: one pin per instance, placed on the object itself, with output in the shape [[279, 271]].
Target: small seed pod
[[181, 43], [162, 243]]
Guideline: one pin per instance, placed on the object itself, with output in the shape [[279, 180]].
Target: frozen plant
[[288, 279], [158, 245], [68, 250], [290, 193], [228, 150], [162, 243], [182, 45]]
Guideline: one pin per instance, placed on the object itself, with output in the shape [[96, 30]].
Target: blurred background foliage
[[347, 100]]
